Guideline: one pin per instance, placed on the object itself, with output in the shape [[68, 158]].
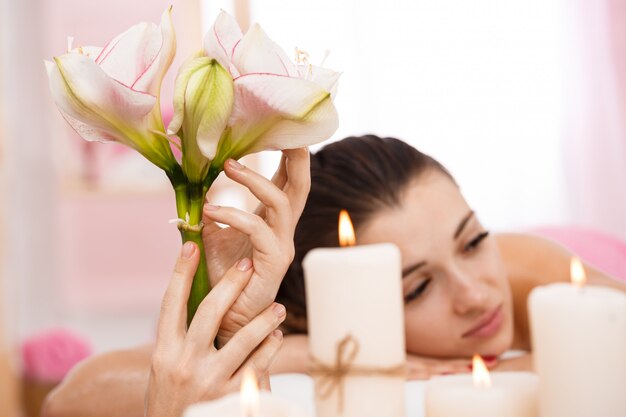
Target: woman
[[465, 289], [239, 314]]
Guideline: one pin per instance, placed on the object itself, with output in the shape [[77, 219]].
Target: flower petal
[[276, 112], [126, 57], [180, 87], [202, 106], [257, 53], [90, 51], [325, 78], [217, 94], [150, 80], [221, 39], [82, 91], [93, 134]]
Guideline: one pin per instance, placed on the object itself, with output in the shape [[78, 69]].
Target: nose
[[469, 293]]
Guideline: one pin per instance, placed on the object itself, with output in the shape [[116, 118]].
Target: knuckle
[[281, 200], [233, 321], [207, 310], [180, 269], [253, 366], [181, 375], [257, 223], [166, 304], [158, 362]]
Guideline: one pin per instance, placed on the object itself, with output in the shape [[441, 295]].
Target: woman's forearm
[[108, 385]]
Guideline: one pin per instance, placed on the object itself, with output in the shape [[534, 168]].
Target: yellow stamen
[[302, 57]]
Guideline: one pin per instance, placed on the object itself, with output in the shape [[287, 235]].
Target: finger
[[278, 208], [209, 226], [424, 368], [173, 314], [246, 340], [206, 322], [299, 179], [264, 381], [279, 179], [280, 176], [262, 358], [259, 232], [450, 367]]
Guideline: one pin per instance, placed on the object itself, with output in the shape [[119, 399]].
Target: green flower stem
[[182, 201], [193, 232], [201, 284], [189, 203]]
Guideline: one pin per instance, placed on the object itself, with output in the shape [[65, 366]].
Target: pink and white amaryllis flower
[[277, 104], [203, 102], [111, 94]]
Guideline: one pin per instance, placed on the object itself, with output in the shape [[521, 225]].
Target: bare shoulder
[[137, 358], [113, 383], [532, 257], [533, 260]]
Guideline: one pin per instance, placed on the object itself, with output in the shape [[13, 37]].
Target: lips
[[488, 325]]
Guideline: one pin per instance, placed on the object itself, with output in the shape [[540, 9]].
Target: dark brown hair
[[361, 175]]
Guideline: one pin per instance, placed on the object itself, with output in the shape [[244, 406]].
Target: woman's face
[[456, 292]]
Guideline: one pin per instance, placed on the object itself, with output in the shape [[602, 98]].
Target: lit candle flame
[[480, 373], [249, 394], [577, 273], [346, 231]]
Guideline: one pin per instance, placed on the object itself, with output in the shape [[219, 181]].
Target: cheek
[[427, 327], [493, 268]]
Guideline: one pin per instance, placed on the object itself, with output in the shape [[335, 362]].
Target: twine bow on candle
[[331, 378]]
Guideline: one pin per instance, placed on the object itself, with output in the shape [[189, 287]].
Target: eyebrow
[[463, 223], [406, 271], [411, 268]]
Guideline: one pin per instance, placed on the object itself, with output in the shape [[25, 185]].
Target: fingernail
[[188, 250], [279, 310], [211, 207], [234, 164], [244, 264], [277, 334]]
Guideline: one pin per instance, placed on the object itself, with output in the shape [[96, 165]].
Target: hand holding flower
[[186, 368], [266, 237]]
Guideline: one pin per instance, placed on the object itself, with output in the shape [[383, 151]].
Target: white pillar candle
[[512, 394], [231, 406], [249, 402], [579, 350], [357, 291]]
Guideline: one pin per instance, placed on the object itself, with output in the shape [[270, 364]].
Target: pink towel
[[601, 250], [48, 356]]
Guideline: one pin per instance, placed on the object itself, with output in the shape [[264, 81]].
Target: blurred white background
[[524, 102]]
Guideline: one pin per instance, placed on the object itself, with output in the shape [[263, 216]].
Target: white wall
[[475, 84], [29, 180]]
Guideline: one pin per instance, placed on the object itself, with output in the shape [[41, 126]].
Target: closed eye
[[473, 244], [417, 291]]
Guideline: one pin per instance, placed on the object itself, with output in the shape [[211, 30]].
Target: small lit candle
[[249, 402], [249, 394], [510, 394], [356, 327], [578, 336]]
